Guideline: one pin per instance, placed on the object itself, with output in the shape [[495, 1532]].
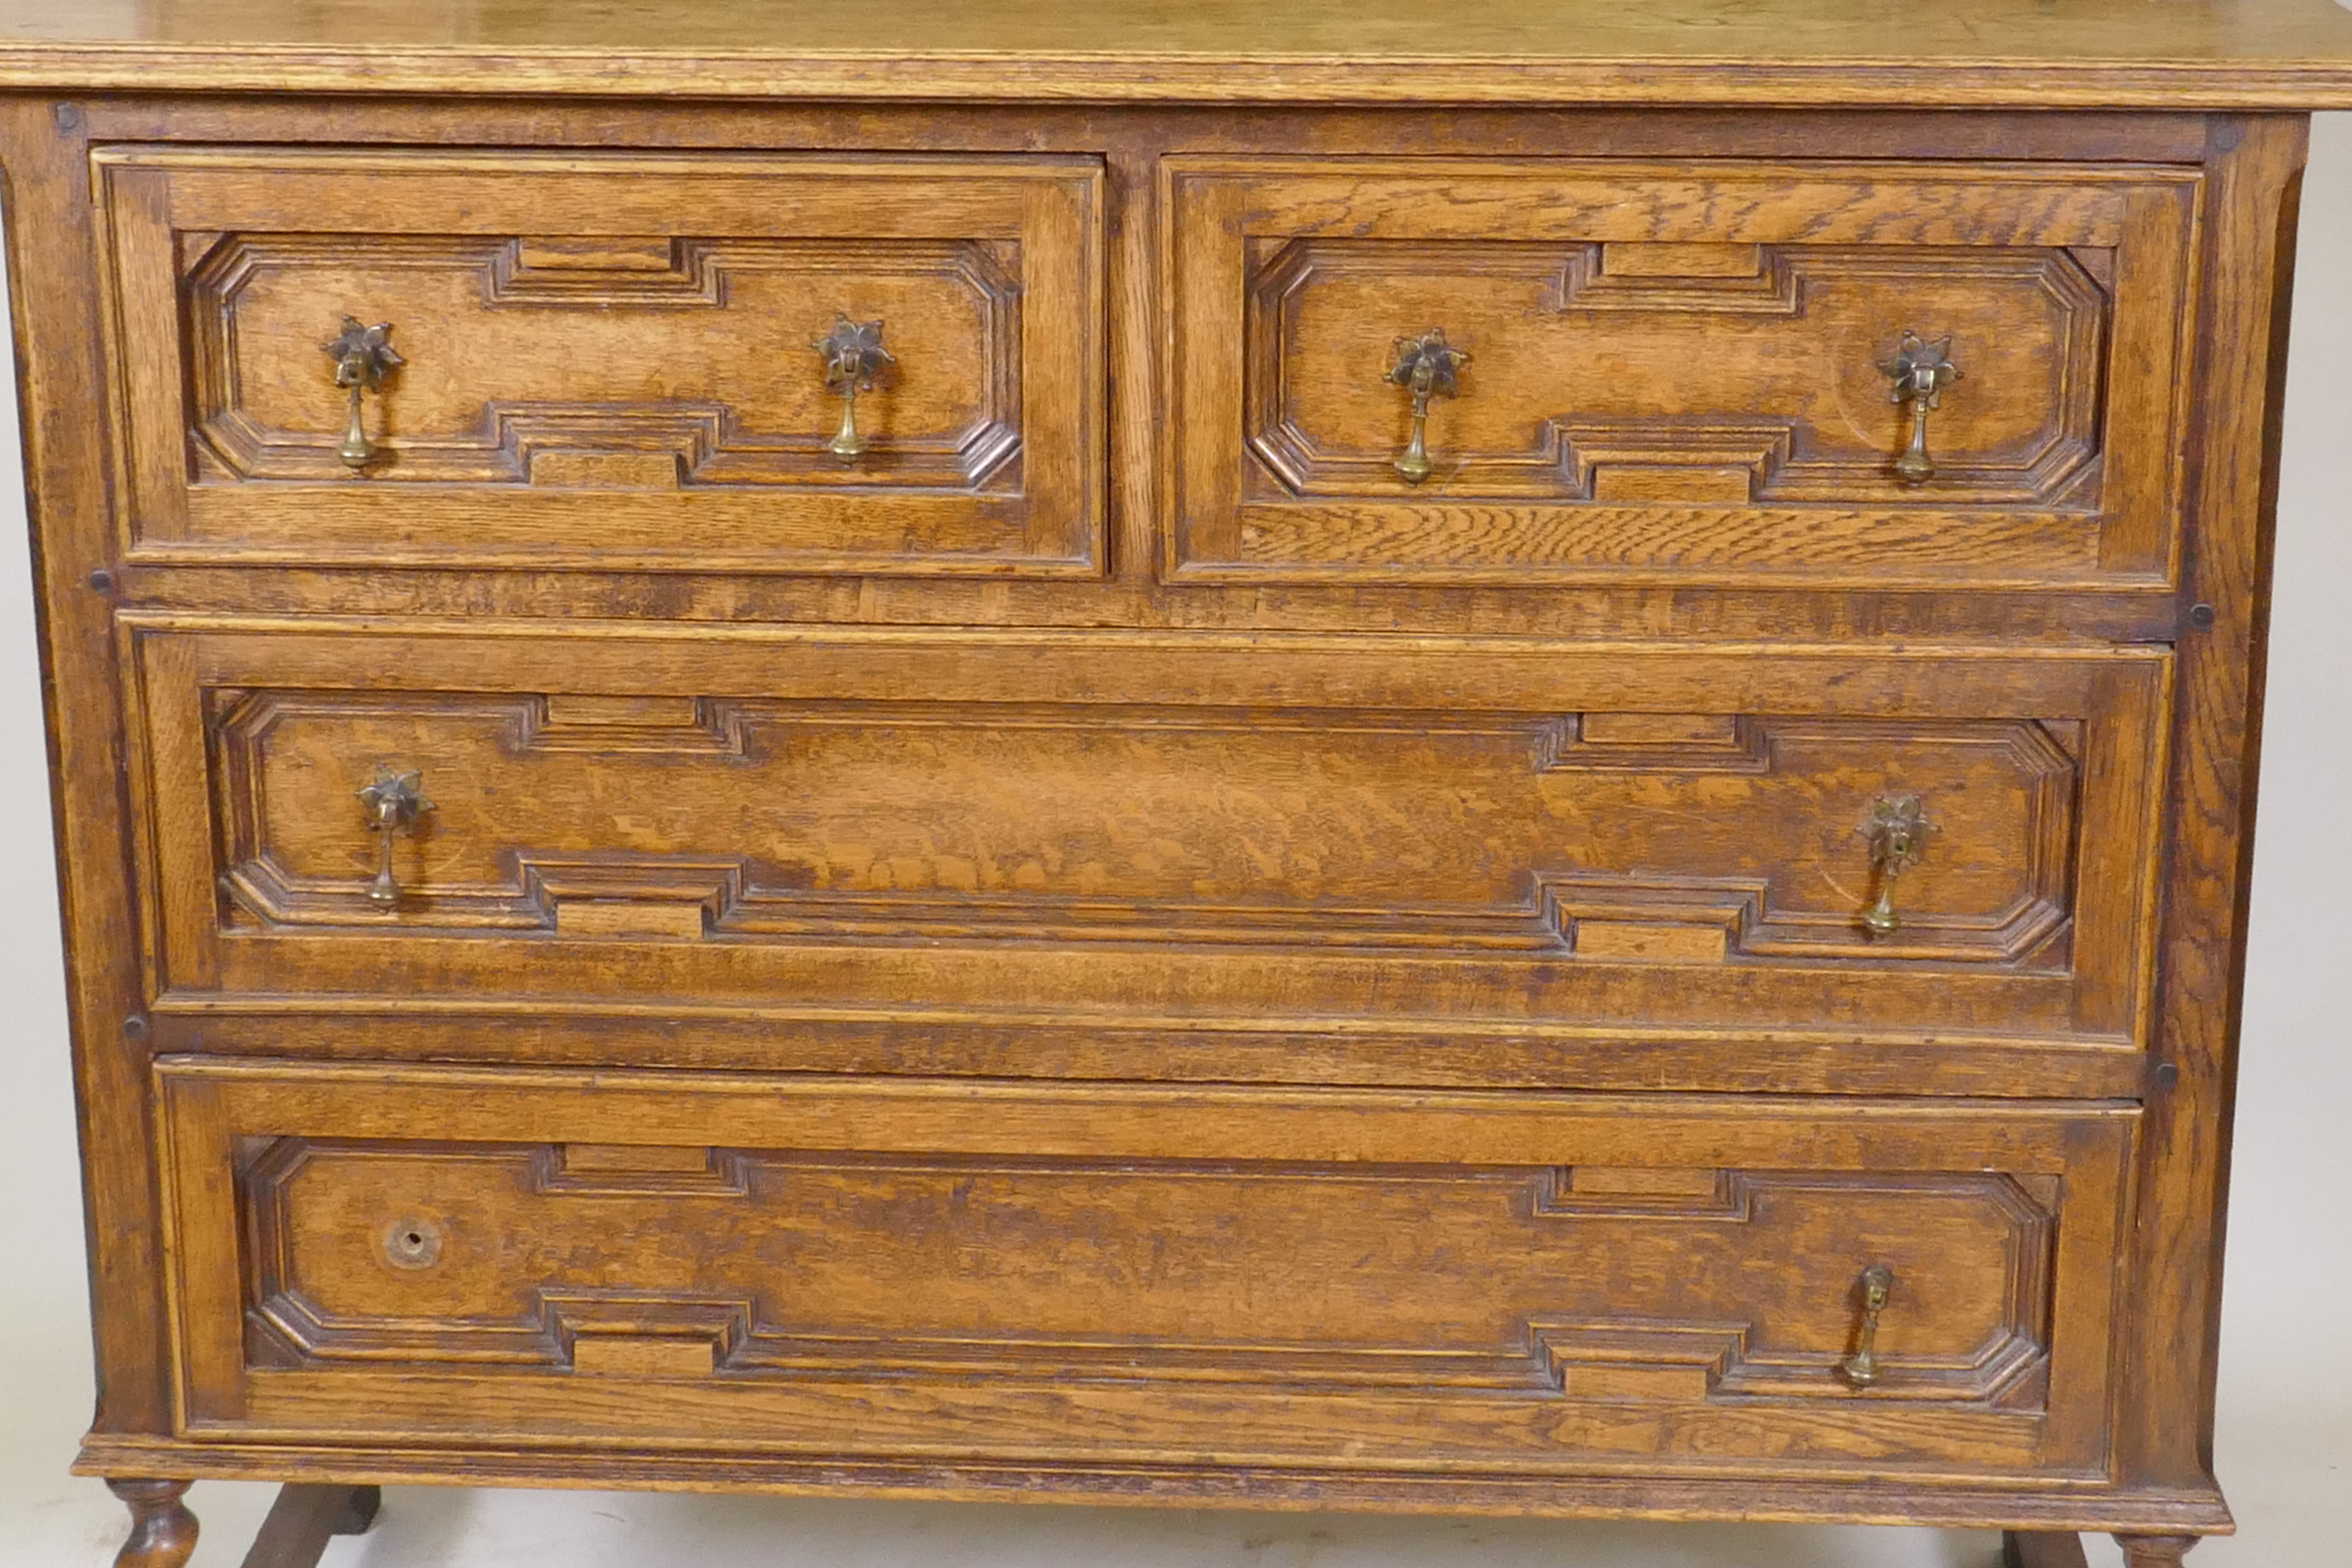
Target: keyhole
[[413, 1244]]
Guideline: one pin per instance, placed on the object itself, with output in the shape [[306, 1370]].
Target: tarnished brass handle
[[1426, 366], [1920, 370], [363, 356], [853, 358], [395, 802], [1860, 1368], [1897, 831]]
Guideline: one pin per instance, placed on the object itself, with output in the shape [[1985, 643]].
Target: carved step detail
[[1049, 823], [1747, 432], [885, 1285], [529, 405]]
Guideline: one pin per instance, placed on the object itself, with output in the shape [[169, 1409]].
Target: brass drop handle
[[395, 802], [1920, 370], [1426, 366], [363, 356], [1897, 831], [1860, 1368], [853, 358]]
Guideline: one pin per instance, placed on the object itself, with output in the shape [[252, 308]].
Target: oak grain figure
[[1158, 754]]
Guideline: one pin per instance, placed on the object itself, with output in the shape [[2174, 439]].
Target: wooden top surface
[[2179, 54]]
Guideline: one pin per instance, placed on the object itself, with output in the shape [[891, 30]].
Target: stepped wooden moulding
[[1264, 753]]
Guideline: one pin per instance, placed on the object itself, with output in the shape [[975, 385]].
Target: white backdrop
[[2286, 1437]]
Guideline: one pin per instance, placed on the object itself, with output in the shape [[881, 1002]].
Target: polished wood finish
[[1719, 333], [1126, 824], [1271, 1278], [162, 1530], [2155, 1551], [608, 360], [1108, 944], [305, 1518], [2217, 54]]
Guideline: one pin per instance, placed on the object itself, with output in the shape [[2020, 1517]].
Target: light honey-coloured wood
[[641, 1356], [561, 401], [1650, 941], [876, 1219], [1605, 410], [1124, 824], [1645, 1181], [1115, 947], [2198, 54]]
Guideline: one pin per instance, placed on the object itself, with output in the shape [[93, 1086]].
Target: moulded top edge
[[2187, 85]]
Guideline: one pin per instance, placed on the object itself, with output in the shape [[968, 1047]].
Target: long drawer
[[1341, 1280], [1111, 826], [1106, 825]]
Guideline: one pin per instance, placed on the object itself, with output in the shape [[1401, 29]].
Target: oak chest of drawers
[[1242, 758]]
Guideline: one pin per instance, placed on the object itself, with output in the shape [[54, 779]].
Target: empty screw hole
[[412, 1244]]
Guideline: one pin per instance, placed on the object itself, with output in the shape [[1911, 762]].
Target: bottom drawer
[[1497, 1283]]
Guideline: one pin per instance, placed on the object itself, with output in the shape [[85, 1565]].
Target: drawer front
[[1131, 824], [608, 360], [1677, 372], [1366, 1280]]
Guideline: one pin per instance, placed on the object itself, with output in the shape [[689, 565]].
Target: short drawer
[[1677, 372], [1110, 826], [608, 360], [1359, 1280]]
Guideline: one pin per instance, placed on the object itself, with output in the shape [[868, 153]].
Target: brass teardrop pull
[[1860, 1368], [854, 360], [1897, 831], [1426, 366], [363, 356], [1920, 370], [395, 802]]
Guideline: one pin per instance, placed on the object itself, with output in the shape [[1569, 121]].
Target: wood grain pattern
[[1595, 1494], [608, 358], [2217, 54], [2060, 289], [162, 1530], [2217, 743], [781, 1266], [1201, 828], [1152, 870], [1143, 1045], [1210, 1276], [62, 380]]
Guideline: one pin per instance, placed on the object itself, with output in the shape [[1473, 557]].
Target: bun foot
[[162, 1531]]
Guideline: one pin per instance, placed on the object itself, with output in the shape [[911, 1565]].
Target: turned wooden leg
[[162, 1531], [304, 1517], [2155, 1551], [2043, 1549]]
